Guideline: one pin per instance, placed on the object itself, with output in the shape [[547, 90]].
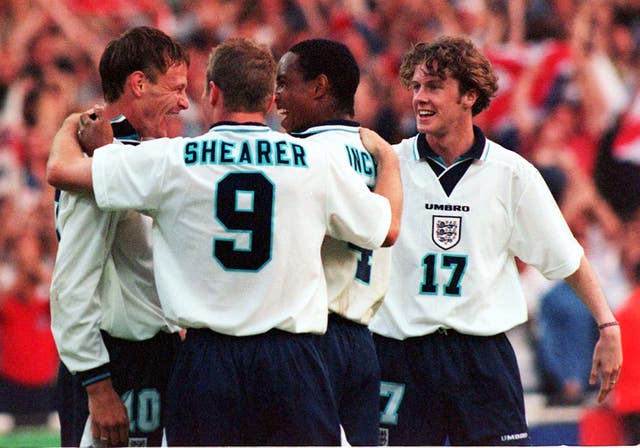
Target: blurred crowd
[[569, 101]]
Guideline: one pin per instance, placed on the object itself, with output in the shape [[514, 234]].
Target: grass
[[30, 437]]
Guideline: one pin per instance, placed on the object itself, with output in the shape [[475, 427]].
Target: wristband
[[613, 323]]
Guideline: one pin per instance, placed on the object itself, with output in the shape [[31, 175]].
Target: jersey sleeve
[[541, 236], [126, 177], [85, 239], [354, 213]]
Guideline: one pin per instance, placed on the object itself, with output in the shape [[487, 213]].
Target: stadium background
[[568, 101]]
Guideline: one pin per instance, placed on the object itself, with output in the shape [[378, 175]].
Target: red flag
[[509, 64], [626, 146]]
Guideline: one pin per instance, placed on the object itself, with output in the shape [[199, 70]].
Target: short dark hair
[[458, 58], [141, 48], [245, 72], [335, 60]]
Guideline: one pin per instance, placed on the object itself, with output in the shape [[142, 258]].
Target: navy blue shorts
[[269, 389], [455, 387], [72, 404], [139, 373], [354, 371]]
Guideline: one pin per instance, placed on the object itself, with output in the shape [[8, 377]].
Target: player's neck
[[112, 110], [242, 117], [320, 120], [451, 145], [328, 111], [117, 108]]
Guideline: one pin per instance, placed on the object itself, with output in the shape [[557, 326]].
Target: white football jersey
[[239, 217], [453, 264], [357, 278], [102, 279]]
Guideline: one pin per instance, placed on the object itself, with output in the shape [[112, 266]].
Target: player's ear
[[136, 81], [320, 85], [214, 93], [469, 98]]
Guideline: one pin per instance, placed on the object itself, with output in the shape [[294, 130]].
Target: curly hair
[[456, 57]]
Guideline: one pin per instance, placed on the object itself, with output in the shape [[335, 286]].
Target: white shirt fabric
[[357, 279], [453, 265], [102, 279], [239, 217]]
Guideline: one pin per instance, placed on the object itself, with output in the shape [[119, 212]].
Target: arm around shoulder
[[388, 181], [67, 167]]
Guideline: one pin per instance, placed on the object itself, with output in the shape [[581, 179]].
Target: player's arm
[[607, 355], [388, 182], [353, 212], [67, 166], [85, 241], [542, 237], [109, 419]]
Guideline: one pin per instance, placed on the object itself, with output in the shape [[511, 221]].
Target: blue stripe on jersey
[[96, 378], [56, 207], [130, 139], [486, 153], [233, 126]]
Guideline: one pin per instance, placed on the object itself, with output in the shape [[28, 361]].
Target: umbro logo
[[447, 207], [509, 437]]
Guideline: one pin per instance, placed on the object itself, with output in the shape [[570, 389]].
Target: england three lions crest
[[445, 231]]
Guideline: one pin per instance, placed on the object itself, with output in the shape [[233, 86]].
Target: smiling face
[[294, 95], [163, 98], [438, 105]]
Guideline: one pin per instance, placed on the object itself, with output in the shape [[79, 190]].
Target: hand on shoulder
[[94, 130]]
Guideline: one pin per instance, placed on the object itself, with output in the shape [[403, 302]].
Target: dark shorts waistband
[[209, 333], [159, 338], [338, 319]]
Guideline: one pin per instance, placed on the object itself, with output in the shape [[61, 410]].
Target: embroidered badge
[[445, 231]]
